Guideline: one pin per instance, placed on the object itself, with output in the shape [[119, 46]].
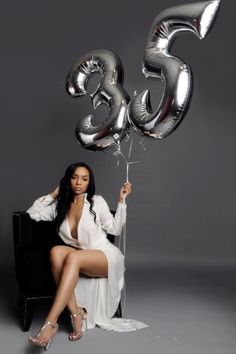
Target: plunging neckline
[[77, 227]]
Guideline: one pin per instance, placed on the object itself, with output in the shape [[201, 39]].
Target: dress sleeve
[[44, 208], [112, 224]]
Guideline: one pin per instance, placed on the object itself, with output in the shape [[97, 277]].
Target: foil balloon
[[196, 18], [109, 92]]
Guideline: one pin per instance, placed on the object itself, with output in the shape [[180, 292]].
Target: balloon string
[[130, 148], [127, 162], [127, 172], [122, 238]]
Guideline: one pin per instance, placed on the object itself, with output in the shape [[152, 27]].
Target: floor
[[189, 310]]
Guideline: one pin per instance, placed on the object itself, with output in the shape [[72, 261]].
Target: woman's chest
[[74, 218], [82, 227]]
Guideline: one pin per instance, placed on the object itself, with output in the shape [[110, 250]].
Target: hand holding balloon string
[[125, 191]]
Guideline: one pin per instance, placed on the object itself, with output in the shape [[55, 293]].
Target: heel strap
[[82, 313], [48, 323]]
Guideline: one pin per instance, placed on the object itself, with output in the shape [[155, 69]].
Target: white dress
[[100, 296]]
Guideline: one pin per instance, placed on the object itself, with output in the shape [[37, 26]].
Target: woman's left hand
[[125, 191]]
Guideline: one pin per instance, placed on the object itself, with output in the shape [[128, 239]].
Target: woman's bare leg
[[89, 262], [58, 255]]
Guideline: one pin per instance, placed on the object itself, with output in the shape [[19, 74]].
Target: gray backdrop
[[182, 208]]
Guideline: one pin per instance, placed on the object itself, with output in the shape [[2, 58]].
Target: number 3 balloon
[[197, 18], [109, 92]]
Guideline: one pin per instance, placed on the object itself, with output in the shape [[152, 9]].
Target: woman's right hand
[[55, 193]]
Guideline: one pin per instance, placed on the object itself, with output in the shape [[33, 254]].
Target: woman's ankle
[[74, 310], [52, 321]]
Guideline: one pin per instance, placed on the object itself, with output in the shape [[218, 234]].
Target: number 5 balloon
[[197, 18], [109, 92]]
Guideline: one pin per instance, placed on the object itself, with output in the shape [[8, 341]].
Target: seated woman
[[83, 220]]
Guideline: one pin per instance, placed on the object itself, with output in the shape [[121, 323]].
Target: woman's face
[[80, 180]]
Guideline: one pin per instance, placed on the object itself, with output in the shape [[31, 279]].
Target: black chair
[[32, 243]]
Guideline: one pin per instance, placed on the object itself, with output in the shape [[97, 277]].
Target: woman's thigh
[[92, 263]]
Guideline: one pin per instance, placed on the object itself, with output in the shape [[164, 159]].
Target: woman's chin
[[79, 192]]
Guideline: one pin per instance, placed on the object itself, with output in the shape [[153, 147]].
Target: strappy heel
[[41, 343], [83, 325]]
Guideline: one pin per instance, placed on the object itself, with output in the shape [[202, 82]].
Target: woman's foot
[[45, 335], [79, 324]]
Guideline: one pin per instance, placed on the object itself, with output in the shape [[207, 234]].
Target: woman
[[83, 220]]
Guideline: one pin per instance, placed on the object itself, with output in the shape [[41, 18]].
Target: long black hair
[[66, 195]]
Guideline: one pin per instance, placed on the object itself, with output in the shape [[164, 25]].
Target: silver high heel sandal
[[83, 326], [41, 343]]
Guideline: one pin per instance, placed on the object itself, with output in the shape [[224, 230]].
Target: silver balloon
[[197, 18], [109, 92]]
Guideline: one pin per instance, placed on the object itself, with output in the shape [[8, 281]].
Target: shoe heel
[[84, 326], [47, 345]]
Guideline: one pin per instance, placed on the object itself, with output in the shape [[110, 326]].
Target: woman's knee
[[72, 258], [57, 254]]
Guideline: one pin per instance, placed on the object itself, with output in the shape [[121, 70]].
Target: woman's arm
[[113, 224], [44, 208]]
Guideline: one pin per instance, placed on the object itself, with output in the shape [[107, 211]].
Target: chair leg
[[26, 312]]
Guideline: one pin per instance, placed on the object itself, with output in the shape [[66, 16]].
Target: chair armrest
[[22, 229]]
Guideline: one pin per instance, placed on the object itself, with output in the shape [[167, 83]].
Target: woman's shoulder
[[97, 198]]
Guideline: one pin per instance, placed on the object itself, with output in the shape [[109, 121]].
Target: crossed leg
[[58, 255], [67, 263]]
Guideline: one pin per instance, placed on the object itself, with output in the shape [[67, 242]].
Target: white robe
[[100, 296]]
